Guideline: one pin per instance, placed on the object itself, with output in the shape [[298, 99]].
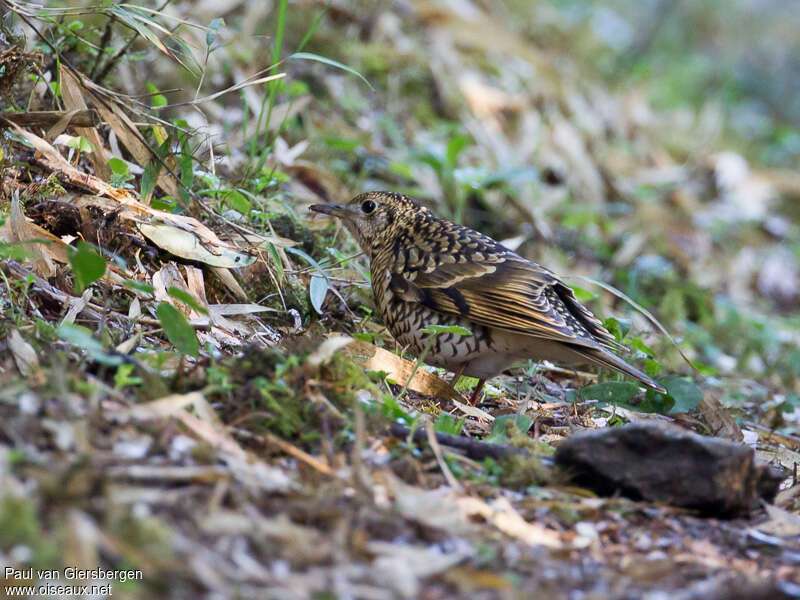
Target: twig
[[474, 449], [437, 452], [274, 440]]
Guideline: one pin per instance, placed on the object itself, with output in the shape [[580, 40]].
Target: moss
[[519, 472], [20, 524]]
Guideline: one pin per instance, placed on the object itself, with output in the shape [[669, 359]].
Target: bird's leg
[[476, 393], [457, 375]]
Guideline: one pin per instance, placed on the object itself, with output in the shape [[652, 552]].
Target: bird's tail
[[605, 358]]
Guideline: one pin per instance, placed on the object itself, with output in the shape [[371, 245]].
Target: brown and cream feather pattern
[[426, 270]]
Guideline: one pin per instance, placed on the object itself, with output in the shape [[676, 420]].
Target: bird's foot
[[476, 393]]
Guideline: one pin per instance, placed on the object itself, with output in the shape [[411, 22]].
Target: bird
[[427, 270]]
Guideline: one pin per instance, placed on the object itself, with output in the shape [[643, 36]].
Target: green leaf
[[153, 168], [122, 378], [185, 167], [582, 295], [118, 166], [165, 203], [237, 202], [704, 369], [437, 329], [686, 394], [82, 337], [446, 423], [305, 256], [87, 265], [613, 392], [366, 337], [81, 144], [332, 63], [140, 286], [618, 327], [640, 345], [651, 367], [454, 148], [499, 433], [213, 30], [656, 403], [317, 289], [157, 99], [179, 331], [276, 259], [187, 298]]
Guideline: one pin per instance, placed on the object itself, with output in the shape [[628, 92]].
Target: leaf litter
[[218, 436]]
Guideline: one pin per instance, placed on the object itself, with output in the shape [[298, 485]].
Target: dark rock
[[664, 463]]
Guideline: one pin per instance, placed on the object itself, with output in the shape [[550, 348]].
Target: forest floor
[[195, 386]]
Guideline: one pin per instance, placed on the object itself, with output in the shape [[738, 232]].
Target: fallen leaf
[[24, 354]]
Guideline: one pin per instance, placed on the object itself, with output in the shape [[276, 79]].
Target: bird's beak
[[337, 210]]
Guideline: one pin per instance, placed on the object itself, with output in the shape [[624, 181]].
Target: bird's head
[[374, 218]]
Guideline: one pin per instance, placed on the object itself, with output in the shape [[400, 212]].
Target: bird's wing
[[505, 291]]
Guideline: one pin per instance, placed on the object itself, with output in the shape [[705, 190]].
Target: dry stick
[[273, 440], [437, 452], [48, 118], [474, 449], [777, 436]]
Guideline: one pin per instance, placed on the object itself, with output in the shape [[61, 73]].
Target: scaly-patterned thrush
[[431, 271]]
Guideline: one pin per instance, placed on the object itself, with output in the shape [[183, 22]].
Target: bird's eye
[[367, 206]]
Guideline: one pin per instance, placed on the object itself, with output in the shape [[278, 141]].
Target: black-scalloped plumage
[[431, 271]]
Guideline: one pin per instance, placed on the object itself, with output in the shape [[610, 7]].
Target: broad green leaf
[[317, 289], [87, 265], [656, 403], [237, 201], [118, 166], [613, 392], [187, 298], [686, 394], [179, 331]]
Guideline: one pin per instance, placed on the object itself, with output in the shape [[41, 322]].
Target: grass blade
[[332, 63]]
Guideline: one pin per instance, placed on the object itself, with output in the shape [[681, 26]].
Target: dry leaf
[[327, 349], [22, 231], [24, 355], [129, 135], [399, 370], [186, 244], [72, 94], [503, 516]]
